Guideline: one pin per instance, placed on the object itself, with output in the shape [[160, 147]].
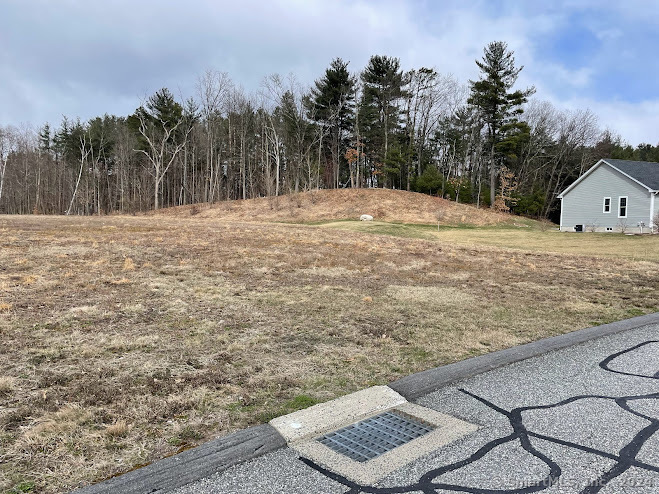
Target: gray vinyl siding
[[583, 205]]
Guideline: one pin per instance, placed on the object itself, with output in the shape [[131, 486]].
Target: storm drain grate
[[374, 436]]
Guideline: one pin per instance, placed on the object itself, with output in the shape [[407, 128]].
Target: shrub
[[430, 181], [530, 204]]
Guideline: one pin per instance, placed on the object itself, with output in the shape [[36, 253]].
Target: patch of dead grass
[[345, 204], [117, 429], [120, 281], [29, 280], [329, 272], [129, 265], [435, 296], [6, 385]]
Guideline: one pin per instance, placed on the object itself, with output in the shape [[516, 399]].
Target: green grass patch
[[293, 405], [635, 311], [185, 436], [24, 486], [533, 238]]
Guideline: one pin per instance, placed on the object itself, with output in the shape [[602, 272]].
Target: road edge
[[194, 464], [422, 383]]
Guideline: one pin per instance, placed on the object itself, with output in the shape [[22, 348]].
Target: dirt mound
[[325, 205]]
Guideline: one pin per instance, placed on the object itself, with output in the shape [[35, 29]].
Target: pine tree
[[331, 104], [45, 138], [498, 105], [379, 112]]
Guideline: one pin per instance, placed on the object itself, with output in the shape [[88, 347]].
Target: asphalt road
[[584, 419]]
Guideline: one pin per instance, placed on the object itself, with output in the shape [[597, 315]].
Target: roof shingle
[[646, 172]]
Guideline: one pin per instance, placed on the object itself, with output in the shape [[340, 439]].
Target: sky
[[85, 58]]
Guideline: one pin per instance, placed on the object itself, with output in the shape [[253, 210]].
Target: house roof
[[645, 173]]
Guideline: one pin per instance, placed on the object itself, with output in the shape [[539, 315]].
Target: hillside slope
[[325, 205]]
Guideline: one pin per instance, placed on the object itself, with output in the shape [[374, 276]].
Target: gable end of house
[[613, 195], [647, 180]]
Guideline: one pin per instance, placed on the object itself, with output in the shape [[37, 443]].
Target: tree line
[[482, 142]]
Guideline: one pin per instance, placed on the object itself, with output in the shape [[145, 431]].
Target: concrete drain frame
[[302, 431]]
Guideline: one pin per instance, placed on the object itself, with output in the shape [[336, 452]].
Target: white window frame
[[604, 205], [626, 206]]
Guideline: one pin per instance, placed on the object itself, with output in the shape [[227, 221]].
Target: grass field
[[525, 235], [127, 339]]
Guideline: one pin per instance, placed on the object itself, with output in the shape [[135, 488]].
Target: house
[[613, 196]]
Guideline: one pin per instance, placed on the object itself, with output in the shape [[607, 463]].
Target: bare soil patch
[[127, 339]]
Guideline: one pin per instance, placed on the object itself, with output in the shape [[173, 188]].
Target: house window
[[622, 207], [607, 205]]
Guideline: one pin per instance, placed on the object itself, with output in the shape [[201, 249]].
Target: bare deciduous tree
[[213, 90], [162, 148], [85, 150], [7, 146]]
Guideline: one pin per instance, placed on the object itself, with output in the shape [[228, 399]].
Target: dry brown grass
[[6, 385], [343, 204], [117, 429], [107, 368], [129, 265]]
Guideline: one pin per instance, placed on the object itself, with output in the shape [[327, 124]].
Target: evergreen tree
[[45, 138], [66, 140], [331, 104], [379, 112], [498, 105], [162, 107]]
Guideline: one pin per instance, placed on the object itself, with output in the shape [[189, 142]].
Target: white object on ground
[[366, 217]]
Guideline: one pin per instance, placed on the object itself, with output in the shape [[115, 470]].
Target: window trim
[[604, 205], [626, 198]]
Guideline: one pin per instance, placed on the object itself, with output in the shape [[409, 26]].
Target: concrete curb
[[417, 385], [194, 464]]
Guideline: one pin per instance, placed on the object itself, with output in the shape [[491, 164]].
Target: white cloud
[[636, 122], [609, 34], [561, 76], [114, 53]]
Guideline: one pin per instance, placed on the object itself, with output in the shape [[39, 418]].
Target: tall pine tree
[[498, 105], [379, 112], [331, 104]]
